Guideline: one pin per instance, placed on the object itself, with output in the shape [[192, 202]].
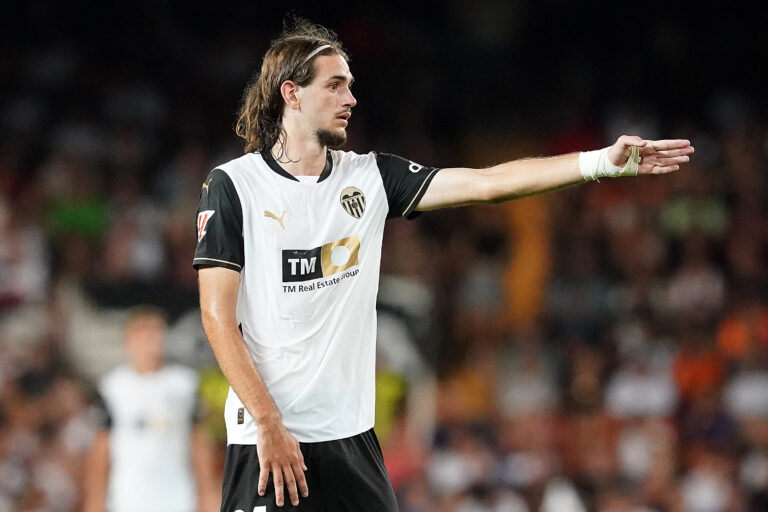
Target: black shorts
[[346, 475]]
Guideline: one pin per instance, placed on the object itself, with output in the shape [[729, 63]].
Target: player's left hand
[[656, 156]]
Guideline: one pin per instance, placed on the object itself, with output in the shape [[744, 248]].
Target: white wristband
[[595, 164]]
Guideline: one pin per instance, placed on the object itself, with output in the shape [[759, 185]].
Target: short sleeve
[[405, 183], [219, 224]]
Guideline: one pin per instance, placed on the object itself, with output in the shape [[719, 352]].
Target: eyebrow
[[342, 78]]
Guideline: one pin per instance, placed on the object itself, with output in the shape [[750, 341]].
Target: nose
[[348, 100]]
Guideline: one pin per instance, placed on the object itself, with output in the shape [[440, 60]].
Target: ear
[[290, 92]]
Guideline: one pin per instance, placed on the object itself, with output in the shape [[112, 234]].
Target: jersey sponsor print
[[319, 262]]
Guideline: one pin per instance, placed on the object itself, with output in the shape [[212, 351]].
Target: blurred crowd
[[602, 348]]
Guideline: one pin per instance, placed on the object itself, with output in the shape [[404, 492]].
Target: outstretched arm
[[278, 450], [529, 176]]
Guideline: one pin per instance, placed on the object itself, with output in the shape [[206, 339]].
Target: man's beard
[[332, 139]]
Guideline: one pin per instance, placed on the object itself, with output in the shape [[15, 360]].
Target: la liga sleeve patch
[[202, 220]]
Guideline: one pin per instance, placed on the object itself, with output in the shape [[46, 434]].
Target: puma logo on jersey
[[279, 219], [205, 187], [202, 219]]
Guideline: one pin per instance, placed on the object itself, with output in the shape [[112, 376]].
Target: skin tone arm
[[518, 178], [278, 450], [97, 473], [201, 451]]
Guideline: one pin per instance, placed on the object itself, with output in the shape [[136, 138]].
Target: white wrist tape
[[595, 164]]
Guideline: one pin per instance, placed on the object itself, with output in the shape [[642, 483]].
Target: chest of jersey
[[304, 234], [308, 257], [152, 404]]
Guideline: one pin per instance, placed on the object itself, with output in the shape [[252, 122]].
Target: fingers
[[676, 152], [277, 480], [669, 144], [263, 477], [656, 145], [658, 169], [280, 454], [671, 161], [301, 479], [301, 461], [290, 483], [632, 140], [290, 478]]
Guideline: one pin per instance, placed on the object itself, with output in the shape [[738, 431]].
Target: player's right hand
[[280, 454], [656, 156]]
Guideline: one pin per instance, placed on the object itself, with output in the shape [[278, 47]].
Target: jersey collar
[[270, 161]]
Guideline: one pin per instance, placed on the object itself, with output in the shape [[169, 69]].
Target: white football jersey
[[308, 256], [150, 417]]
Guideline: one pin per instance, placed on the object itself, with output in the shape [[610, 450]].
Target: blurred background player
[[151, 454]]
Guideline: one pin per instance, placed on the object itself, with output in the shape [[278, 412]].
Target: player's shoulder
[[350, 157], [242, 164], [349, 161], [115, 378], [382, 161]]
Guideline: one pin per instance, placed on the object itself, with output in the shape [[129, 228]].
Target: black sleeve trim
[[213, 262], [405, 183], [409, 212]]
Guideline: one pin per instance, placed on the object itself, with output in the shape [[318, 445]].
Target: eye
[[334, 86]]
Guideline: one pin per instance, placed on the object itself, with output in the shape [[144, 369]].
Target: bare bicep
[[454, 187]]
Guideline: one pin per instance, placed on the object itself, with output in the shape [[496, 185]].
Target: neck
[[300, 156], [147, 366]]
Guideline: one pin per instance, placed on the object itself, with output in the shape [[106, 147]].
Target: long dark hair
[[260, 119]]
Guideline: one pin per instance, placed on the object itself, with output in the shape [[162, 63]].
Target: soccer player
[[289, 245], [151, 453]]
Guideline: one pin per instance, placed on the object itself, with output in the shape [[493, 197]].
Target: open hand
[[280, 454], [656, 156]]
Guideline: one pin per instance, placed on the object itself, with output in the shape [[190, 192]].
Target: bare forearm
[[97, 473], [530, 176], [239, 369], [503, 182]]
